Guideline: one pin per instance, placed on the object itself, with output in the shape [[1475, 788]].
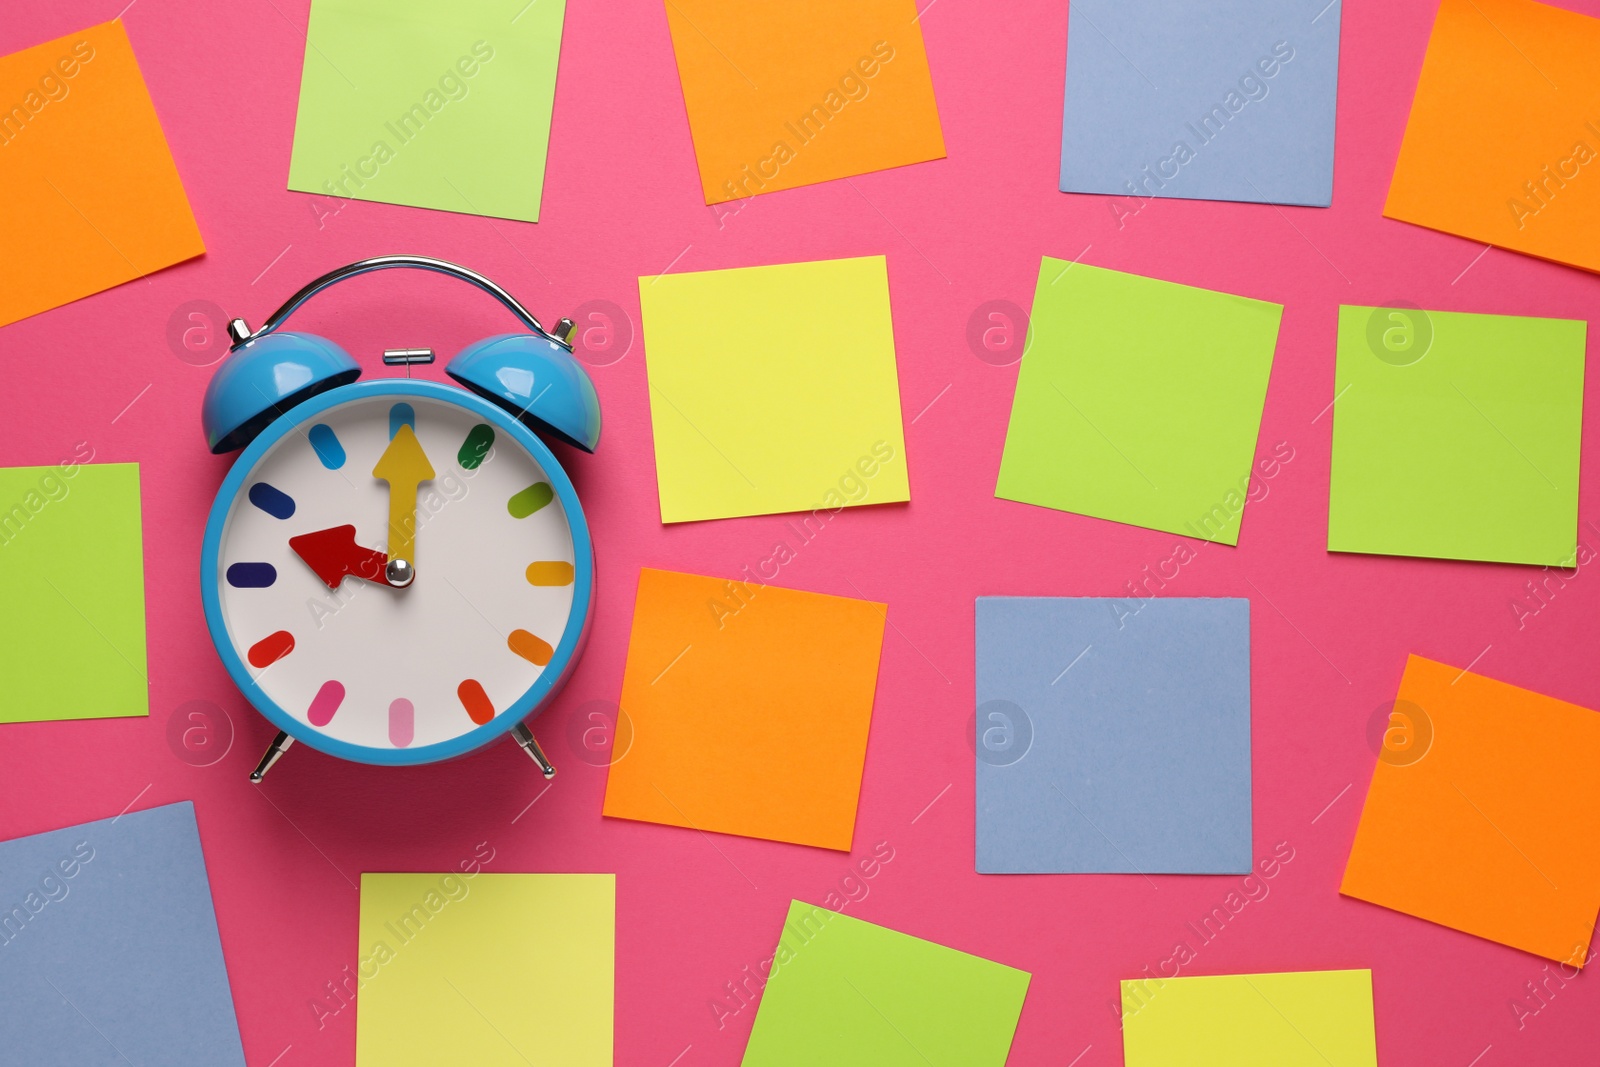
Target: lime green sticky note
[[431, 105], [1456, 436], [844, 991], [72, 585], [774, 389], [1295, 1019], [495, 970], [1139, 401]]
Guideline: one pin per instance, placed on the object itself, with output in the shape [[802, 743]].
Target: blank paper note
[[493, 970], [1485, 820], [1226, 100], [1456, 435], [443, 106], [72, 635], [774, 389], [92, 197], [1294, 1019], [110, 948], [1113, 735], [1139, 401], [844, 991], [789, 93], [750, 706], [1503, 142]]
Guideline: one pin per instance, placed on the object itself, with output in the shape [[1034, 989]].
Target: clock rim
[[544, 688]]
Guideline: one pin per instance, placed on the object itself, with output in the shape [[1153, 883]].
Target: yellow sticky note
[[1294, 1019], [92, 197], [486, 969], [774, 389]]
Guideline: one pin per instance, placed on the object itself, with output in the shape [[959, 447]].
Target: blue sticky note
[[1113, 735], [1223, 100], [109, 953]]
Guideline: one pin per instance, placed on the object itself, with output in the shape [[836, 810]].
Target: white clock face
[[365, 662]]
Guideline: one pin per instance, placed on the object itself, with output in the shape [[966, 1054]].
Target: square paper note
[[1484, 819], [1113, 736], [1503, 143], [432, 105], [1456, 436], [794, 92], [774, 389], [1139, 401], [111, 949], [495, 970], [845, 991], [72, 581], [92, 198], [1227, 100], [749, 707], [1298, 1019]]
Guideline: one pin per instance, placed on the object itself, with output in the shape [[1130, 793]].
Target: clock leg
[[279, 746], [525, 738]]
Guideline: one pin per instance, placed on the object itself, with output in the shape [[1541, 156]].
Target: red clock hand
[[333, 553]]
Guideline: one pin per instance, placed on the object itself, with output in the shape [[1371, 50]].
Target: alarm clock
[[398, 571]]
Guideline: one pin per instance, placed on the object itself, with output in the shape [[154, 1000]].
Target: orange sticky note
[[1503, 143], [793, 92], [92, 198], [1483, 813], [749, 707]]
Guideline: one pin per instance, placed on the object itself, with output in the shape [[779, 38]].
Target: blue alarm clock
[[398, 571]]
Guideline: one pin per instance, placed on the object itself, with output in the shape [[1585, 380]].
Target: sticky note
[[1482, 813], [1503, 142], [1221, 101], [1113, 735], [1294, 1019], [72, 642], [104, 929], [1139, 401], [749, 706], [1456, 435], [92, 197], [787, 94], [846, 991], [430, 105], [774, 389], [495, 970]]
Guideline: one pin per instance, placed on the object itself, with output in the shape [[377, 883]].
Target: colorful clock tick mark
[[325, 443], [402, 723], [402, 415], [533, 649], [550, 572], [479, 707], [252, 575], [272, 500], [270, 649], [325, 703], [476, 447], [530, 500]]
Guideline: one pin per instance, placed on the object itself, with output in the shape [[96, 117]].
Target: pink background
[[622, 199]]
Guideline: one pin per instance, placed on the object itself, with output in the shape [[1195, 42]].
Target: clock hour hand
[[333, 554], [404, 466]]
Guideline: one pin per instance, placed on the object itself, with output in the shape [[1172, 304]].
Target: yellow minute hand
[[404, 466]]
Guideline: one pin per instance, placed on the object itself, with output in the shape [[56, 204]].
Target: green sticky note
[[493, 970], [1139, 401], [774, 389], [1297, 1019], [844, 991], [72, 585], [439, 105], [1456, 436]]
